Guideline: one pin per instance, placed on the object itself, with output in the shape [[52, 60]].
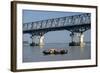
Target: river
[[35, 54]]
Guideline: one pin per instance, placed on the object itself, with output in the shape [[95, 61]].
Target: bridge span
[[75, 24]]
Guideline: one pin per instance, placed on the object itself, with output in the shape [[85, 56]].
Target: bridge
[[75, 24]]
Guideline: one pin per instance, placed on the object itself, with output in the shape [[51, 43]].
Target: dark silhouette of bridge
[[75, 24]]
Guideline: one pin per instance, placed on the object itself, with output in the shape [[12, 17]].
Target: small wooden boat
[[55, 51]]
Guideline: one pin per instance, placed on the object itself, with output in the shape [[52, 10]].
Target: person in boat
[[52, 51]]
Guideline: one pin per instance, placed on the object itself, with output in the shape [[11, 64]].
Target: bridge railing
[[58, 22]]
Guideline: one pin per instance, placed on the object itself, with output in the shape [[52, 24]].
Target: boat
[[55, 51]]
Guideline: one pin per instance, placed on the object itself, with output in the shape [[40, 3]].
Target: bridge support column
[[34, 43], [77, 43], [81, 39], [41, 39], [72, 36], [37, 40], [33, 37], [72, 43]]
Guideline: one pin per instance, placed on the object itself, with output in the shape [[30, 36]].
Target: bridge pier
[[72, 43], [37, 40], [34, 43], [77, 43], [41, 39], [72, 36], [81, 39]]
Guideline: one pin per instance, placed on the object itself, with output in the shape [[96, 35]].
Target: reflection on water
[[35, 54]]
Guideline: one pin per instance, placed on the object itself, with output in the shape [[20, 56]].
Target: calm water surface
[[34, 54]]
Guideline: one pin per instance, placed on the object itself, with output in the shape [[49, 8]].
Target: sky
[[62, 36]]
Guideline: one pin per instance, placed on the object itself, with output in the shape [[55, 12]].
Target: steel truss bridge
[[75, 24]]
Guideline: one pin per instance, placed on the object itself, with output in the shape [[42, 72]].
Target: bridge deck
[[74, 23]]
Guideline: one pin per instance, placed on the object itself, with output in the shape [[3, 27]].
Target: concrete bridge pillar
[[34, 42], [81, 39], [79, 42], [72, 43], [72, 36], [41, 39], [37, 40]]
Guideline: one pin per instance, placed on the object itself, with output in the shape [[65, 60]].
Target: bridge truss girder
[[69, 22], [76, 29]]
